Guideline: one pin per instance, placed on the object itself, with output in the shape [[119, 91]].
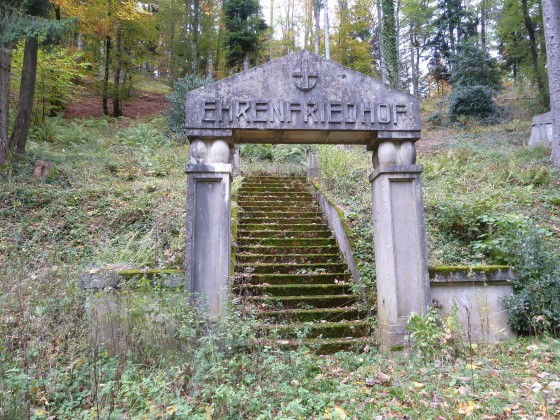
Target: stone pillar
[[312, 164], [401, 260], [208, 241], [236, 160]]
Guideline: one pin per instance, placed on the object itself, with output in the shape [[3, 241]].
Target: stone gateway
[[306, 99]]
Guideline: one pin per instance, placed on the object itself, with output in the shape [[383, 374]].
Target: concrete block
[[478, 294]]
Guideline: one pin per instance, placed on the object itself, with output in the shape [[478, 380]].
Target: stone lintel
[[395, 169], [209, 133]]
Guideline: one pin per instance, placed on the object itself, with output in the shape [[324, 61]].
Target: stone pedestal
[[208, 242], [400, 248]]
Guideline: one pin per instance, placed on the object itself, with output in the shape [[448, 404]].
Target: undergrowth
[[116, 195]]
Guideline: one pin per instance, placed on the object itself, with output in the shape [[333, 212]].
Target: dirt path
[[139, 105]]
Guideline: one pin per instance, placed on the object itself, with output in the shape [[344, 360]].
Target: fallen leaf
[[467, 408], [554, 385], [463, 390], [382, 378]]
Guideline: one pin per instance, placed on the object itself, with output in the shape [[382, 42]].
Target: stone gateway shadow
[[306, 99]]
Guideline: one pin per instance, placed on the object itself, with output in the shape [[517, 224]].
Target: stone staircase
[[289, 269]]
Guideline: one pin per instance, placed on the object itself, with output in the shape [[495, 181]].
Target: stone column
[[236, 160], [312, 164], [400, 239], [208, 241]]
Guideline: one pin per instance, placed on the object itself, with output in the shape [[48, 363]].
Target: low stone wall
[[125, 310], [338, 226], [478, 293]]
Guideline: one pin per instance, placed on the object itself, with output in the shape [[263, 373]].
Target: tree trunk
[[117, 90], [390, 48], [551, 17], [327, 39], [382, 67], [5, 71], [316, 17], [413, 64], [534, 52], [483, 13], [22, 123], [195, 38], [105, 95]]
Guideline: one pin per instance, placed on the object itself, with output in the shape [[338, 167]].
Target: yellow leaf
[[341, 412], [466, 408], [418, 385], [472, 366], [171, 410]]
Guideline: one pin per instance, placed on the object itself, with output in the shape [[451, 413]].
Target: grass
[[116, 195]]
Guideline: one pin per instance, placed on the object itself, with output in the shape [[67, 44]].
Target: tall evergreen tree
[[244, 28]]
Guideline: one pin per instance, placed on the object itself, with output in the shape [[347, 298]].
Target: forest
[[92, 178]]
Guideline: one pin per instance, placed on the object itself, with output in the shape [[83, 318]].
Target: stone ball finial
[[407, 153], [219, 152], [198, 152]]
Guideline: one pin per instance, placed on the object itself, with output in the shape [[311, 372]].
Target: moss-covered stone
[[297, 289]]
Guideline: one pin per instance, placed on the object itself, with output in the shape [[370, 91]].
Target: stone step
[[271, 250], [310, 315], [273, 227], [294, 289], [243, 220], [263, 268], [268, 214], [301, 302], [268, 189], [344, 329], [272, 278], [284, 180], [281, 242], [249, 259], [273, 202], [262, 234], [287, 207], [323, 345], [277, 193]]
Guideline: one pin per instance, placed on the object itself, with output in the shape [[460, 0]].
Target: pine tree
[[244, 28]]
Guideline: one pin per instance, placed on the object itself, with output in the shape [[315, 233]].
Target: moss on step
[[310, 315], [297, 234], [291, 268], [279, 242], [297, 289], [309, 278], [302, 302], [326, 345], [275, 250], [270, 227], [319, 330]]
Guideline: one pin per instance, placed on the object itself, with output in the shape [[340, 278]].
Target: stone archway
[[304, 98]]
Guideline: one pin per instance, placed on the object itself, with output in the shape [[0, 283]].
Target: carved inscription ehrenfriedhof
[[301, 92]]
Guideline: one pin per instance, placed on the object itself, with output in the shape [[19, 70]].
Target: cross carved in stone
[[305, 74]]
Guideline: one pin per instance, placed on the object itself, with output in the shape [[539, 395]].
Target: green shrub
[[471, 101], [176, 115], [517, 241]]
